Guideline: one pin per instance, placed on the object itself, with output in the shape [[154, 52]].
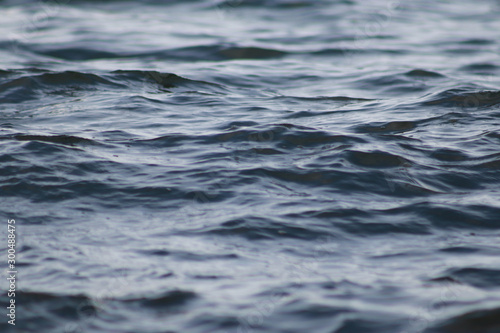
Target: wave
[[464, 99], [213, 52], [34, 86]]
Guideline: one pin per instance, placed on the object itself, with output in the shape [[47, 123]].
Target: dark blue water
[[252, 166]]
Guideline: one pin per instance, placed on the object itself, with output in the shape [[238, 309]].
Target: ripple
[[171, 299], [477, 277]]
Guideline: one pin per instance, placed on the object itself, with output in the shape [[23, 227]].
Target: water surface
[[252, 166]]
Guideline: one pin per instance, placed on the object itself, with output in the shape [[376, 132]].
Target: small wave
[[278, 4], [398, 83], [477, 277], [30, 87], [220, 52], [257, 228], [77, 53], [422, 73], [390, 127], [69, 83], [464, 99], [342, 100], [215, 52], [375, 159], [164, 80], [282, 136], [349, 52], [485, 68], [67, 140], [169, 300]]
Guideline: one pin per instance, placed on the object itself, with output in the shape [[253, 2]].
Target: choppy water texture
[[252, 166]]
